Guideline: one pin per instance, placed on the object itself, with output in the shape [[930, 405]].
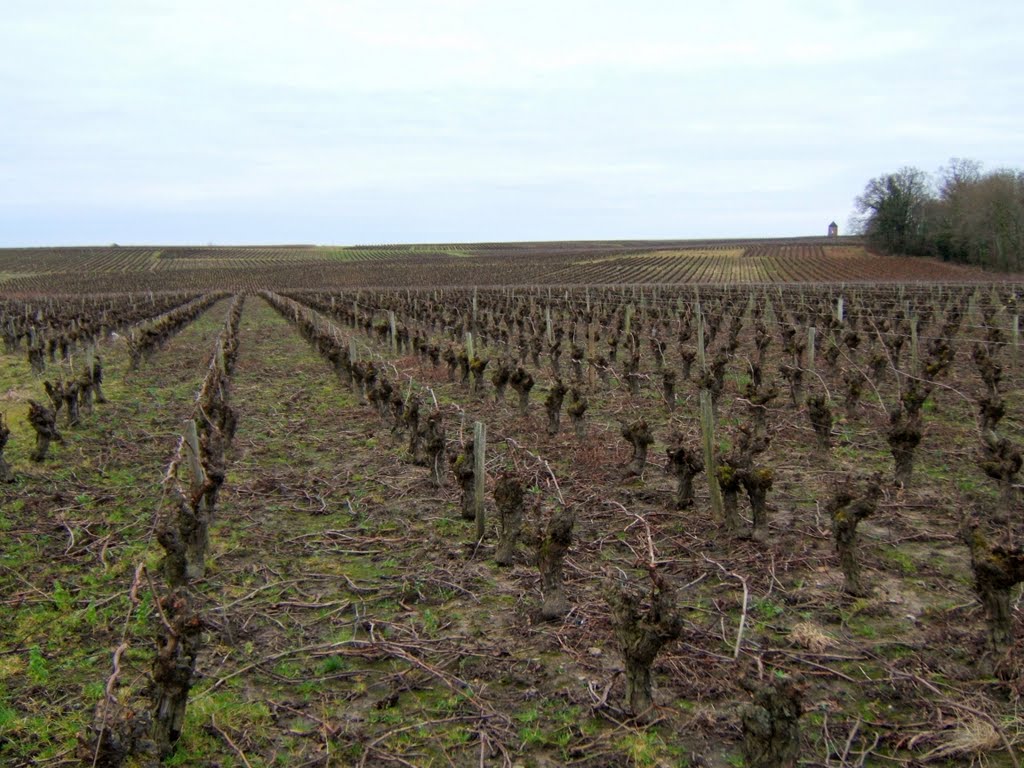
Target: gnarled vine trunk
[[434, 446], [553, 406], [846, 509], [44, 422], [508, 498], [771, 724], [997, 570], [684, 464], [639, 436], [174, 668], [550, 556], [641, 634], [757, 483], [6, 473]]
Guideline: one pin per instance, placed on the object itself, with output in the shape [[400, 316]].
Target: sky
[[397, 121]]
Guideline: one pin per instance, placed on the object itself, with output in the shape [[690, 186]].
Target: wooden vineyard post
[[184, 519], [1015, 334], [195, 463], [218, 357], [769, 310], [811, 333], [913, 345], [353, 358], [839, 309], [707, 425], [479, 456], [707, 429], [591, 356], [548, 330], [393, 328], [701, 360]]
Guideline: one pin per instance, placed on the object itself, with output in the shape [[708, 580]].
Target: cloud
[[584, 107]]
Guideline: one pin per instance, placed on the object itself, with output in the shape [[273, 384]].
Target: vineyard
[[26, 272], [715, 503]]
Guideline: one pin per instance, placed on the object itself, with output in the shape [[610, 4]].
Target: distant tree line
[[960, 214]]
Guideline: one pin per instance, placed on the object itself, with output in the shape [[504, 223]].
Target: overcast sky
[[336, 121]]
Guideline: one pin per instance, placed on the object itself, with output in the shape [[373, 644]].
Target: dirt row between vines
[[74, 528]]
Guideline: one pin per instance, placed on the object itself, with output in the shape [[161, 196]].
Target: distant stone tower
[[833, 230]]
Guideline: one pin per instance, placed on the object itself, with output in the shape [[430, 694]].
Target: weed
[[38, 670], [532, 737], [386, 716], [903, 561], [333, 664], [8, 717], [447, 526], [864, 629], [646, 749], [430, 621], [229, 709], [767, 608], [61, 597], [143, 611], [289, 669], [741, 380], [528, 716], [93, 691]]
